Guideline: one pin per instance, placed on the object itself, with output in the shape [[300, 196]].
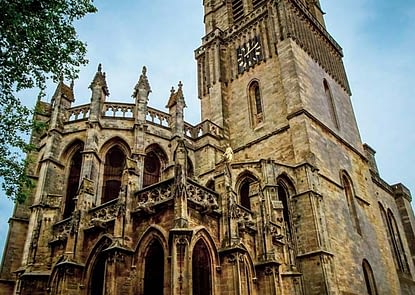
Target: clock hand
[[251, 49]]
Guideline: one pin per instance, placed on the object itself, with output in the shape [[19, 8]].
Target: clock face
[[249, 54]]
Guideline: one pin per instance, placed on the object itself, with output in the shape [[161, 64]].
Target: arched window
[[369, 278], [348, 189], [245, 278], [397, 246], [245, 192], [257, 115], [152, 167], [97, 283], [73, 182], [154, 269], [284, 198], [330, 102], [114, 165], [201, 270]]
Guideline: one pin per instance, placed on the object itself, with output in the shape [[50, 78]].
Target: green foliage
[[37, 42]]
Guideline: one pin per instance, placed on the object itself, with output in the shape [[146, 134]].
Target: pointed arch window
[[245, 277], [114, 165], [245, 192], [73, 182], [152, 169], [397, 245], [201, 270], [369, 278], [348, 189], [331, 104], [283, 196], [97, 283], [257, 114], [154, 269]]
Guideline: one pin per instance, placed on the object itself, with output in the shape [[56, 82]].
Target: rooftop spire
[[99, 80], [142, 83], [176, 95]]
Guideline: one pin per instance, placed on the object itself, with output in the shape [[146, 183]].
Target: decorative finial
[[142, 83], [180, 85], [99, 68], [61, 77], [172, 91]]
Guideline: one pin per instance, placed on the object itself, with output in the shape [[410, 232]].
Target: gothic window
[[244, 192], [154, 269], [152, 167], [348, 189], [114, 165], [330, 102], [245, 278], [237, 10], [73, 182], [283, 196], [397, 245], [369, 278], [97, 283], [257, 115], [201, 270]]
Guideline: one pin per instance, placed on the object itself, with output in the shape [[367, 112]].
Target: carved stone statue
[[228, 155]]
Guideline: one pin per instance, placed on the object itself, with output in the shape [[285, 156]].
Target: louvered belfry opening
[[114, 165], [237, 10], [154, 270], [152, 167], [201, 265], [256, 3], [73, 182]]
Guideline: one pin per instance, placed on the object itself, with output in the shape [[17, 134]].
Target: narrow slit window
[[331, 104]]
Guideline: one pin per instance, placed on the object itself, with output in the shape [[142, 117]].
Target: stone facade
[[272, 193]]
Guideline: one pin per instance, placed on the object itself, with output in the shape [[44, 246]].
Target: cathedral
[[273, 192]]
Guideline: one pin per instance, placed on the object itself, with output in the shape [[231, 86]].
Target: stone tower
[[272, 193]]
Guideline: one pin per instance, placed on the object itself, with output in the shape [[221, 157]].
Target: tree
[[38, 42]]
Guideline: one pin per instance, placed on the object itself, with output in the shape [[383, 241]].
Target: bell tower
[[264, 64], [272, 77]]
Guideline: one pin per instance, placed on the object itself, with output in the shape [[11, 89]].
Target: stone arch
[[116, 140], [72, 156], [55, 278], [244, 188], [95, 267], [154, 163], [396, 243], [255, 102], [285, 192], [369, 278], [114, 154], [350, 198], [147, 260]]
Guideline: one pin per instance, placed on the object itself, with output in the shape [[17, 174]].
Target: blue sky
[[377, 37]]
